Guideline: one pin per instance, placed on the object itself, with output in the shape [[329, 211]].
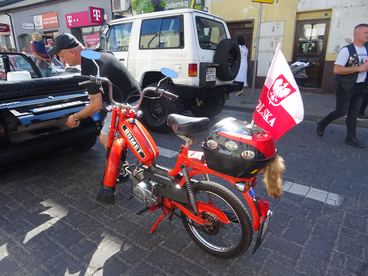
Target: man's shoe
[[353, 141], [362, 117], [320, 131]]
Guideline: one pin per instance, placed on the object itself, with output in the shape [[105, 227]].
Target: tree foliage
[[144, 6]]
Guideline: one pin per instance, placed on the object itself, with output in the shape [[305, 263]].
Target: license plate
[[211, 74], [266, 225], [262, 232]]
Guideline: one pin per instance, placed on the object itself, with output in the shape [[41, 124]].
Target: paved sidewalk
[[316, 105]]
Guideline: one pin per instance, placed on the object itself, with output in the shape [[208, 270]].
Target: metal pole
[[12, 31], [257, 48]]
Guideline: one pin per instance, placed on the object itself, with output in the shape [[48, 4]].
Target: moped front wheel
[[221, 240]]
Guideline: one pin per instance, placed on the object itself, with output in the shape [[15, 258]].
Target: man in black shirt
[[68, 48]]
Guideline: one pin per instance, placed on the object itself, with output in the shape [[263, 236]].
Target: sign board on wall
[[91, 40], [263, 1], [28, 26], [46, 21], [92, 17], [50, 20], [145, 6], [4, 29], [38, 22], [96, 15]]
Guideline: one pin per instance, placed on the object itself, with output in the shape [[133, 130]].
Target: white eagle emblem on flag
[[279, 90]]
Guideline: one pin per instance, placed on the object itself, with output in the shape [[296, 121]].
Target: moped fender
[[253, 210], [113, 163]]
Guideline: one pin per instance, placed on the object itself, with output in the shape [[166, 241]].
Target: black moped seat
[[185, 125]]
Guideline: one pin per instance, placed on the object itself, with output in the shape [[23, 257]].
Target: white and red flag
[[280, 105]]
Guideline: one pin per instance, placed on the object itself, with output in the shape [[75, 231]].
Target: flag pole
[[278, 48], [257, 49]]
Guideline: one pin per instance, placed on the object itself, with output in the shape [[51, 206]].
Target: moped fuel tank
[[140, 142]]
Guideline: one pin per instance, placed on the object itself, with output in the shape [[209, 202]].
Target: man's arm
[[94, 106], [341, 70]]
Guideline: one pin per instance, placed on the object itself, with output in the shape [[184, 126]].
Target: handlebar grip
[[171, 95], [85, 82]]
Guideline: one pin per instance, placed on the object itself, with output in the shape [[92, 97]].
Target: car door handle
[[122, 59]]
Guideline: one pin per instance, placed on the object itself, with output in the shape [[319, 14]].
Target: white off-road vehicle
[[195, 44]]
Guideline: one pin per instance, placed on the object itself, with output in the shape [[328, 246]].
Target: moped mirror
[[167, 72], [89, 54]]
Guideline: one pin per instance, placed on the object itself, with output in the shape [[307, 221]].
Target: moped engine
[[143, 189]]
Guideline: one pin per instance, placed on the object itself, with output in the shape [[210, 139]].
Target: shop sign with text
[[28, 26], [96, 15], [92, 17], [263, 1], [46, 21]]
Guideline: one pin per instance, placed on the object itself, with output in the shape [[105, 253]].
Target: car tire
[[227, 56], [210, 107], [155, 111]]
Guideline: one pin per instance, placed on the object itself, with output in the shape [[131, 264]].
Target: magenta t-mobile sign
[[96, 15]]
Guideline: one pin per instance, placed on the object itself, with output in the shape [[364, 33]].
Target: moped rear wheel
[[218, 239]]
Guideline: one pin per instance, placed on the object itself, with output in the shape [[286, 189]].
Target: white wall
[[345, 16]]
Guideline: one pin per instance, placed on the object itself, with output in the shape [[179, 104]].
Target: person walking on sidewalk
[[351, 75], [241, 77], [364, 105]]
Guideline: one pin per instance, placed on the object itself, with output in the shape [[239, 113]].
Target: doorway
[[310, 46], [244, 28], [49, 37]]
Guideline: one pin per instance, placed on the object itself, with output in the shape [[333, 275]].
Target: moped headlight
[[212, 144]]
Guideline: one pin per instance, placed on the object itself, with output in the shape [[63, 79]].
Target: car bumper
[[71, 138]]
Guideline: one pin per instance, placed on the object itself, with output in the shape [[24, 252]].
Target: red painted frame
[[186, 157]]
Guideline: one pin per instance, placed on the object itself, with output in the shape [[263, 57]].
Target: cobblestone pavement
[[52, 225]]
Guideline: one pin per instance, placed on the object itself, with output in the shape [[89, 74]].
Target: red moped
[[212, 215]]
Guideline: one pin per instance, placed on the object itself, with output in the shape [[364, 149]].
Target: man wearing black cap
[[68, 48]]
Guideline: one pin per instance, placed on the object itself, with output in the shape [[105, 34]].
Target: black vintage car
[[33, 110]]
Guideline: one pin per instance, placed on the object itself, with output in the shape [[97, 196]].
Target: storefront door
[[310, 45], [242, 28]]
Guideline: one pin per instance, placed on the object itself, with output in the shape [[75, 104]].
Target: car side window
[[162, 33], [210, 32], [119, 37], [12, 63], [19, 63]]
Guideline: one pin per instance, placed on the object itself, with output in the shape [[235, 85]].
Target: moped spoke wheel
[[219, 239]]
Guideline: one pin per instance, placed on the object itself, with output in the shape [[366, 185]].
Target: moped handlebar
[[135, 107]]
